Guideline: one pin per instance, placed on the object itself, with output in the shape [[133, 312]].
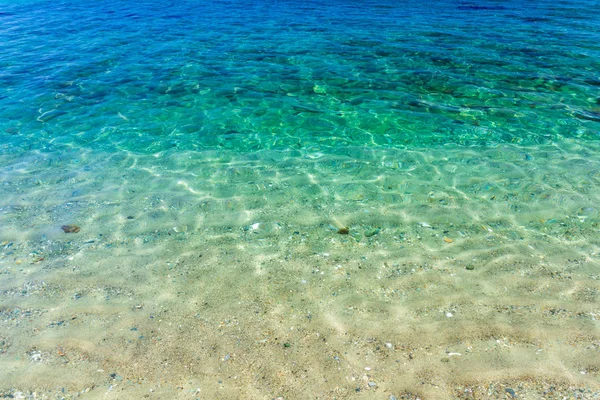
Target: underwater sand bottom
[[446, 284], [263, 320]]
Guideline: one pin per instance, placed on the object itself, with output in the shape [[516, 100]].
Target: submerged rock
[[70, 228]]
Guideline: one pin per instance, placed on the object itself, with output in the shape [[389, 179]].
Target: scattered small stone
[[130, 217], [4, 345], [35, 355], [470, 267], [287, 345], [372, 384], [70, 228], [448, 240], [116, 376], [344, 231], [54, 324], [445, 360], [372, 232], [511, 392]]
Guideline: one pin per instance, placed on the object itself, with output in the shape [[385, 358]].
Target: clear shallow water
[[210, 154]]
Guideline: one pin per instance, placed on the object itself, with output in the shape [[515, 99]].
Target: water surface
[[214, 155]]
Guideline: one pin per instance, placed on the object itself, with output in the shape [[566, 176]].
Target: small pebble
[[343, 231], [372, 232], [70, 228], [448, 240]]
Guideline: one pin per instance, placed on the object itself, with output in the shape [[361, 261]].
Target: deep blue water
[[246, 75]]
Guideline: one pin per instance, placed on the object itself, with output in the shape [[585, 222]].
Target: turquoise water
[[300, 199], [195, 75]]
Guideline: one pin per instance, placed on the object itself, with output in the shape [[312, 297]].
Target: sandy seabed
[[459, 274]]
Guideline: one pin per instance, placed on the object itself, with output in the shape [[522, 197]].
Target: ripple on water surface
[[245, 199]]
